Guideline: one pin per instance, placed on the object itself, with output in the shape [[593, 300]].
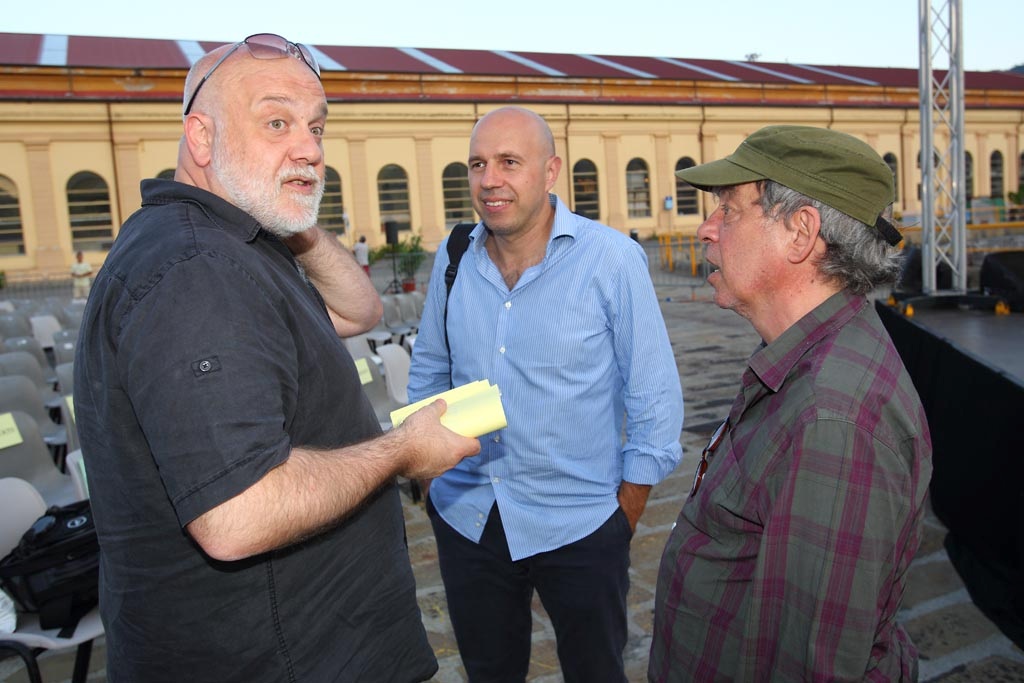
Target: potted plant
[[410, 257], [1017, 203]]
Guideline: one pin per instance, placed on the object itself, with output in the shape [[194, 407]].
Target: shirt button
[[501, 350], [480, 515], [508, 304], [497, 439], [495, 480]]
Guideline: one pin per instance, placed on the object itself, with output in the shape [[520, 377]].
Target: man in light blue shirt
[[559, 312]]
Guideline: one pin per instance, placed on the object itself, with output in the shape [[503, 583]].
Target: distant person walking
[[81, 277], [362, 254]]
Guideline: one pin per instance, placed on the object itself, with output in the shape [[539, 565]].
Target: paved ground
[[957, 642]]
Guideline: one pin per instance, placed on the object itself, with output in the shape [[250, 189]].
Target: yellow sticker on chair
[[9, 434], [364, 371]]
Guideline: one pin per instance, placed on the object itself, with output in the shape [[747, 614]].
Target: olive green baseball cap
[[835, 168]]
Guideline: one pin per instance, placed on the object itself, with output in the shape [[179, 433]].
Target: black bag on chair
[[54, 571]]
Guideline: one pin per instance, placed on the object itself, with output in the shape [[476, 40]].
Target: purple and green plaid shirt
[[789, 564]]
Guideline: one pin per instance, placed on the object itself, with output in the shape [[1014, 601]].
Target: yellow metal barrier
[[678, 243]]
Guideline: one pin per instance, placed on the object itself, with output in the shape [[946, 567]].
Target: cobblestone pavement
[[957, 643]]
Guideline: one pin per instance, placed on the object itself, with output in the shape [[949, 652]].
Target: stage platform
[[967, 363]]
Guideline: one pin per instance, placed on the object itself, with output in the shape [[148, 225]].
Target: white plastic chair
[[63, 351], [43, 327], [32, 345], [407, 309], [377, 391], [358, 346], [396, 371], [19, 393], [393, 318], [418, 299], [76, 470], [14, 324], [30, 460], [20, 506], [25, 364], [65, 378]]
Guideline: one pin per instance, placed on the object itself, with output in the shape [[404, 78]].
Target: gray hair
[[856, 255]]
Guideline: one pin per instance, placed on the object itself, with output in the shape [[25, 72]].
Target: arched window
[[894, 166], [458, 204], [393, 196], [332, 208], [686, 194], [968, 176], [166, 174], [996, 169], [92, 226], [638, 188], [12, 238], [586, 198]]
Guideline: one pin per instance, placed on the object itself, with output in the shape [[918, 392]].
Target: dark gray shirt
[[204, 357]]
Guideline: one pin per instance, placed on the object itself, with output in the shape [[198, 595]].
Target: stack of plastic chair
[[20, 506]]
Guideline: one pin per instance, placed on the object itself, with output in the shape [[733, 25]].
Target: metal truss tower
[[943, 172]]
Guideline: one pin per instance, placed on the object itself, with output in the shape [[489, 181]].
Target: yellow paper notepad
[[473, 409]]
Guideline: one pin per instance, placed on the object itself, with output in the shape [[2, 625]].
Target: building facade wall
[[44, 144]]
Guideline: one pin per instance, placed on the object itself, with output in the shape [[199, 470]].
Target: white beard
[[261, 199]]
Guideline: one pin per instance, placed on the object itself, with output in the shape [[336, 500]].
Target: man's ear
[[552, 168], [804, 230], [199, 138]]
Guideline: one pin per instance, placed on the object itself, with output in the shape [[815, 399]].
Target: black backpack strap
[[458, 242]]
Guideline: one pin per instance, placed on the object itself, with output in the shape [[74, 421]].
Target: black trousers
[[582, 586]]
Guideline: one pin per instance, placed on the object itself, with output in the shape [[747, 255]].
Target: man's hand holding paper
[[474, 409]]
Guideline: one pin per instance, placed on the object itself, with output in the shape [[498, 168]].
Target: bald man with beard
[[245, 499]]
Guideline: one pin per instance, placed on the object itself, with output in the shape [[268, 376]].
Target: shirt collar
[[773, 362], [230, 218]]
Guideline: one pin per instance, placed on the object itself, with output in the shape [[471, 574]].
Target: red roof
[[136, 53]]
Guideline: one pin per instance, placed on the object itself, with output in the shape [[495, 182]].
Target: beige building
[[84, 120]]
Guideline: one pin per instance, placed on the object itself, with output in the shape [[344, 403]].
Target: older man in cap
[[789, 558]]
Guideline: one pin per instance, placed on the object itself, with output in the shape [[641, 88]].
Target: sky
[[823, 32]]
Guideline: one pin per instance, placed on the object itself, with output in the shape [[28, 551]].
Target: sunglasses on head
[[261, 46]]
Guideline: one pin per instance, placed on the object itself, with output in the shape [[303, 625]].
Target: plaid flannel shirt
[[790, 561]]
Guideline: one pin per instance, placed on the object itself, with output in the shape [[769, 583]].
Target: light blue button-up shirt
[[578, 350]]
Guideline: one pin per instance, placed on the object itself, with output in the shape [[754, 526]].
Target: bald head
[[200, 69], [522, 120]]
